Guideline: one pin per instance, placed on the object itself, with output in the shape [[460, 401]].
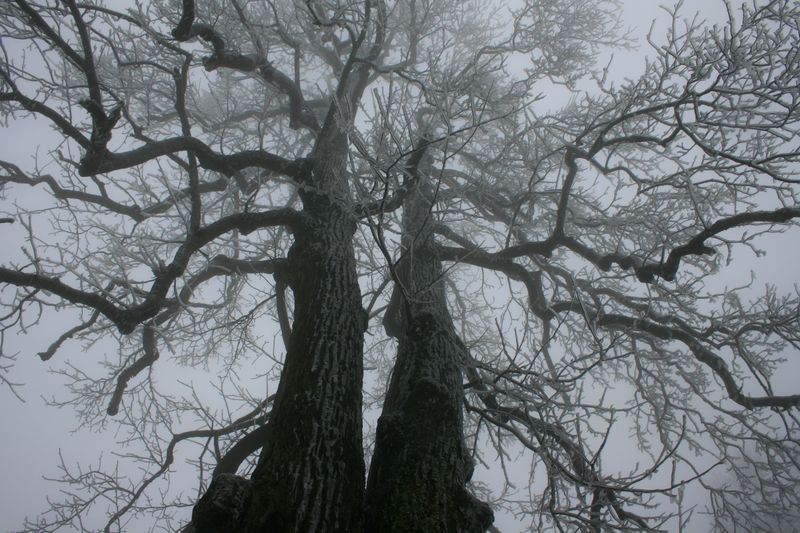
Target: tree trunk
[[310, 474], [420, 466]]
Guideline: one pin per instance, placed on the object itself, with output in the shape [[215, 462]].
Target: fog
[[39, 435]]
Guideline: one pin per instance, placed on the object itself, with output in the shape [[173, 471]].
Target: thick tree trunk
[[420, 466], [310, 474]]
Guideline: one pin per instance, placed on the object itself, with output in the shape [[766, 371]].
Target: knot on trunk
[[223, 505], [475, 516]]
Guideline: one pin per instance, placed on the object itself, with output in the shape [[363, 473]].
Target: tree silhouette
[[288, 196]]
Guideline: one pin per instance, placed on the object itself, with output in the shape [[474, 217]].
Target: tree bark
[[420, 466], [310, 474]]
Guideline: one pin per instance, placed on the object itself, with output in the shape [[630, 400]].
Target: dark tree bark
[[420, 467], [310, 474]]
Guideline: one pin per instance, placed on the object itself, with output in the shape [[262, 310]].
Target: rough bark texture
[[420, 467], [310, 475], [222, 506], [311, 472]]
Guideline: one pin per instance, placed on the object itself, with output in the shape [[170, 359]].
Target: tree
[[393, 184]]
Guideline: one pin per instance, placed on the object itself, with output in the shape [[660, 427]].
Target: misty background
[[37, 437]]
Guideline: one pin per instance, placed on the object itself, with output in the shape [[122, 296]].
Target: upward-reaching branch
[[187, 28]]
